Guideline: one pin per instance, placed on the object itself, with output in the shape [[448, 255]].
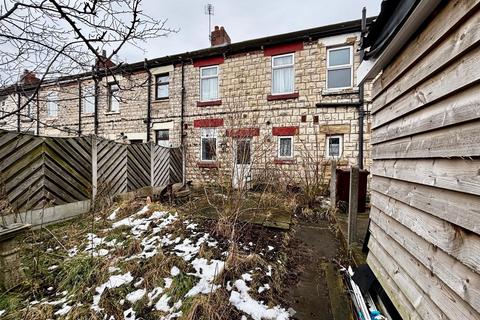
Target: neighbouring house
[[274, 104], [424, 245]]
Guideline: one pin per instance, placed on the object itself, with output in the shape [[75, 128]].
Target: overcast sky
[[243, 20]]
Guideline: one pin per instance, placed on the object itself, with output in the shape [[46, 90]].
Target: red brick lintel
[[285, 96], [284, 161], [207, 123], [205, 164], [284, 131], [243, 132], [209, 103], [210, 61], [283, 48]]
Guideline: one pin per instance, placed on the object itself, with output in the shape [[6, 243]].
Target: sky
[[242, 19]]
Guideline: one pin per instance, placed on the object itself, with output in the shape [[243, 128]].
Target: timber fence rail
[[39, 172]]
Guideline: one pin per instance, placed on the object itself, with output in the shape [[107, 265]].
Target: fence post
[[353, 205], [152, 163], [94, 167], [333, 184]]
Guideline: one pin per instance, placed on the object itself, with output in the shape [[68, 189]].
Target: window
[[52, 104], [162, 137], [208, 148], [209, 83], [282, 74], [339, 68], [30, 109], [285, 147], [161, 83], [3, 105], [113, 97], [334, 146], [88, 101]]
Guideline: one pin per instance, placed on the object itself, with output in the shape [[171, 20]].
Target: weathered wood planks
[[38, 172], [425, 216]]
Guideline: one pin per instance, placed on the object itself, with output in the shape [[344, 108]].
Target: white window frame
[[343, 66], [87, 95], [164, 142], [162, 83], [52, 98], [210, 77], [292, 65], [291, 144], [327, 146], [203, 135], [111, 97]]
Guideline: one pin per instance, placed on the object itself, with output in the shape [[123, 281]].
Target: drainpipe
[[182, 128], [19, 102], [95, 119], [149, 100], [38, 114], [361, 110], [79, 108]]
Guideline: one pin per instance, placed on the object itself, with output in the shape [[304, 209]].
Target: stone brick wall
[[245, 82]]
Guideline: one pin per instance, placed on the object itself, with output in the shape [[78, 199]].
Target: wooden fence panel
[[138, 166], [68, 169], [161, 167], [176, 168], [21, 170], [112, 166], [37, 172]]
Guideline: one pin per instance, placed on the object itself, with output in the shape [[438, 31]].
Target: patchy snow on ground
[[114, 282], [154, 236], [257, 310]]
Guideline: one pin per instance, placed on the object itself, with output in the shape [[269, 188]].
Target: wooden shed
[[424, 246]]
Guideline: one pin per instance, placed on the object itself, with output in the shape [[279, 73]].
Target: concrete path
[[310, 297]]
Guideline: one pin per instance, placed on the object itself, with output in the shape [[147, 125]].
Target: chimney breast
[[219, 37], [104, 62]]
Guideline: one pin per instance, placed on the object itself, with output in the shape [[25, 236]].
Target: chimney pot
[[219, 37]]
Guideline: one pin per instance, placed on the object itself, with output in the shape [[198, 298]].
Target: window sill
[[207, 164], [50, 119], [209, 103], [284, 161], [26, 120], [88, 114], [285, 96], [111, 113], [338, 92], [161, 99]]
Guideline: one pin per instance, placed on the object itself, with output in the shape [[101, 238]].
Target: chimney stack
[[104, 62], [219, 37], [28, 78]]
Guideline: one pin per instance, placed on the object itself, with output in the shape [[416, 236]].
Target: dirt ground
[[315, 243]]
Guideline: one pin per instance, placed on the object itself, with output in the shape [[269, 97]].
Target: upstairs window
[[283, 74], [208, 144], [209, 83], [3, 105], [113, 97], [52, 104], [30, 108], [334, 146], [339, 68], [88, 99], [285, 147], [161, 84]]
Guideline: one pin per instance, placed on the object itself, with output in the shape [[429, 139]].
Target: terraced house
[[279, 103]]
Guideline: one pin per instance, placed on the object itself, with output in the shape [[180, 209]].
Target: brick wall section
[[244, 87]]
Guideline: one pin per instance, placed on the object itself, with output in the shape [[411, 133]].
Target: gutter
[[368, 69]]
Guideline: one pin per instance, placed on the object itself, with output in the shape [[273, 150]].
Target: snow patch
[[206, 272], [114, 282], [136, 295], [257, 310]]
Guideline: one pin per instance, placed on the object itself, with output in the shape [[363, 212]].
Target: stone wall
[[245, 82]]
